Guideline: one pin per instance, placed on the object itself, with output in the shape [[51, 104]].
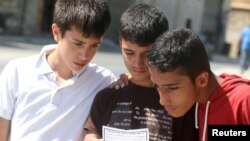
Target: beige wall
[[178, 11], [238, 18]]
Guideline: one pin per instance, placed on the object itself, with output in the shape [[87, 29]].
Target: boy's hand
[[122, 81]]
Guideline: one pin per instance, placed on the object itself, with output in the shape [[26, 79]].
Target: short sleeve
[[99, 112], [7, 90], [89, 125], [95, 122]]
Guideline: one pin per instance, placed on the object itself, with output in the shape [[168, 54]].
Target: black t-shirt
[[184, 127], [135, 107]]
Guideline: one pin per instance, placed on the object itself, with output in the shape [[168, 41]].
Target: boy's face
[[75, 50], [177, 92], [134, 57]]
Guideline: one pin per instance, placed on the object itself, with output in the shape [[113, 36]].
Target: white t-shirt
[[39, 108]]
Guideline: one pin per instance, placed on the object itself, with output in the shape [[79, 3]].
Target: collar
[[42, 64]]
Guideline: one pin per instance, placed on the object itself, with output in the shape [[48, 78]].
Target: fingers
[[125, 77], [121, 84], [122, 81], [117, 84]]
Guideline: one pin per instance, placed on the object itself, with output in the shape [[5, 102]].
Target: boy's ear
[[202, 79], [56, 32]]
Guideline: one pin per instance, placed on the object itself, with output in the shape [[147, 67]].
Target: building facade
[[25, 17], [207, 17]]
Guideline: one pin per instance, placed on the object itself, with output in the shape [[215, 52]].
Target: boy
[[244, 47], [48, 96], [137, 105], [179, 67]]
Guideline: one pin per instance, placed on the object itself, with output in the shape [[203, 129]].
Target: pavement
[[223, 64], [219, 63]]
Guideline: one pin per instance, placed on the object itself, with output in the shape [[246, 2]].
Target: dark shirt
[[136, 107]]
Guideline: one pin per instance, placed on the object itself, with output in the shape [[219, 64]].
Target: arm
[[91, 133], [4, 129], [7, 101], [97, 116]]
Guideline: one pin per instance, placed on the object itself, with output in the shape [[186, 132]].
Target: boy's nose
[[83, 54]]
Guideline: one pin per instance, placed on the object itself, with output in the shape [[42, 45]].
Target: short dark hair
[[142, 24], [179, 49], [91, 17]]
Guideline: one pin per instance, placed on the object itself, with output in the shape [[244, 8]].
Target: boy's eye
[[129, 53], [78, 44], [96, 46], [172, 88]]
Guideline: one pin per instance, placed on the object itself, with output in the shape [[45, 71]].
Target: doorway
[[47, 16]]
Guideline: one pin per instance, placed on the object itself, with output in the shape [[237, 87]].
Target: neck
[[208, 91], [144, 83], [57, 65]]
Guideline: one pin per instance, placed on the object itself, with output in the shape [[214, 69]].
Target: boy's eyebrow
[[173, 84], [76, 40], [126, 49], [169, 85]]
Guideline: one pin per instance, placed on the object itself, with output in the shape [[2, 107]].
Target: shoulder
[[28, 61], [104, 97], [241, 92], [106, 93], [112, 94], [16, 71], [235, 88], [95, 77], [98, 72], [99, 69], [21, 63]]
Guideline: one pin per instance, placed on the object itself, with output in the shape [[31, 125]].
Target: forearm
[[4, 129], [91, 131], [92, 137]]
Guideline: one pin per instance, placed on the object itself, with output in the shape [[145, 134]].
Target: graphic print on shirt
[[136, 117]]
